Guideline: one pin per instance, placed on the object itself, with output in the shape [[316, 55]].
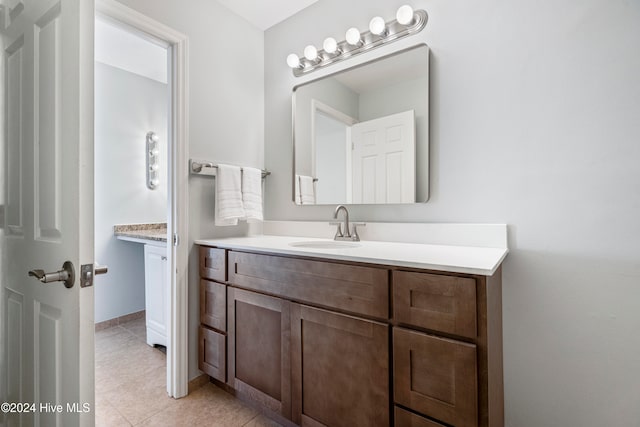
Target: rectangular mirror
[[361, 136]]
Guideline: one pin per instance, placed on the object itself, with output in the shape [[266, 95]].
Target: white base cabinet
[[155, 288]]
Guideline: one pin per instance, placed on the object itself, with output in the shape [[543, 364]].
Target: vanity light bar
[[407, 22], [153, 166]]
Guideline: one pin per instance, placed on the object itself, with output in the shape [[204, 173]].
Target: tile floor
[[130, 388]]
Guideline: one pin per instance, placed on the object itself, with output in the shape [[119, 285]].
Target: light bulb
[[155, 182], [330, 45], [404, 15], [154, 137], [353, 36], [155, 152], [153, 168], [377, 26], [293, 61], [311, 53]]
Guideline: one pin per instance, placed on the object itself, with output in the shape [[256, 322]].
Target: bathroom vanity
[[154, 239], [370, 335]]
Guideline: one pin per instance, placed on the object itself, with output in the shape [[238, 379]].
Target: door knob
[[66, 275]]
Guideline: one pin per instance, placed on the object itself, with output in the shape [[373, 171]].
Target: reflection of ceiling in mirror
[[408, 65]]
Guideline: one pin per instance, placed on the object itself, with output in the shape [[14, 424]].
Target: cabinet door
[[155, 288], [340, 369], [259, 348], [436, 377], [211, 353]]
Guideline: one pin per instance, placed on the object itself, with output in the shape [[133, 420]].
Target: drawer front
[[436, 377], [213, 305], [213, 263], [409, 419], [436, 302], [211, 354], [356, 289]]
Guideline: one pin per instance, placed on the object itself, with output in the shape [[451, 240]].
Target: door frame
[[178, 177], [320, 107]]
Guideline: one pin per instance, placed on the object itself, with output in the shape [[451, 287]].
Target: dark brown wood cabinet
[[436, 376], [405, 418], [212, 339], [333, 343], [437, 302], [213, 264], [340, 369], [212, 353], [213, 301], [259, 348], [350, 288]]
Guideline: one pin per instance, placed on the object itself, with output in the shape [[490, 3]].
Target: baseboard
[[197, 382], [119, 320]]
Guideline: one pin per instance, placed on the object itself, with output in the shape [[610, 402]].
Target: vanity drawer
[[405, 418], [213, 263], [356, 289], [437, 302], [213, 305], [436, 377], [212, 353]]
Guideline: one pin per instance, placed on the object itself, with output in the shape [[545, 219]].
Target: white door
[[384, 159], [48, 143]]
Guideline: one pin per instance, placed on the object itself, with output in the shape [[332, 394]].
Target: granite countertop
[[156, 232]]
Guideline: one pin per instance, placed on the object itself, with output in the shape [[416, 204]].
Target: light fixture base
[[395, 31]]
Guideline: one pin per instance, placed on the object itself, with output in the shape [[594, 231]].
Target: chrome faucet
[[347, 234]]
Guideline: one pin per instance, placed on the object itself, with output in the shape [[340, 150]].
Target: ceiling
[[265, 14]]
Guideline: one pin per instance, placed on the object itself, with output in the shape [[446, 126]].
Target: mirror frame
[[427, 131]]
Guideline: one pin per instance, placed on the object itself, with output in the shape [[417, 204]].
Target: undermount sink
[[329, 244]]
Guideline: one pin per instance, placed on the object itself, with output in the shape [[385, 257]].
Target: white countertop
[[459, 259]]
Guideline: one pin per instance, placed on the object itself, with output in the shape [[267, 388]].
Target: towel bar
[[203, 167]]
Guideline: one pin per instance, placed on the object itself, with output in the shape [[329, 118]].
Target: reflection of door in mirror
[[331, 151], [384, 159]]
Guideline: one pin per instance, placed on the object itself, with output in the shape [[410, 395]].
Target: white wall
[[534, 122], [226, 112], [127, 106]]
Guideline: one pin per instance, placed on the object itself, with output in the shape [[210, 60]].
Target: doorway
[[331, 153], [176, 180], [131, 208]]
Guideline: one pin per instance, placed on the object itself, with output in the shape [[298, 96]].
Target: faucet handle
[[339, 230], [354, 234]]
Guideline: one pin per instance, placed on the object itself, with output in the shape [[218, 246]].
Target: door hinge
[[176, 239]]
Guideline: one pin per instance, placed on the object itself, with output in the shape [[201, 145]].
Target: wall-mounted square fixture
[[153, 167]]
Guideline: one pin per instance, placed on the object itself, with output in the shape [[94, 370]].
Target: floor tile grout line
[[247, 423], [117, 410]]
